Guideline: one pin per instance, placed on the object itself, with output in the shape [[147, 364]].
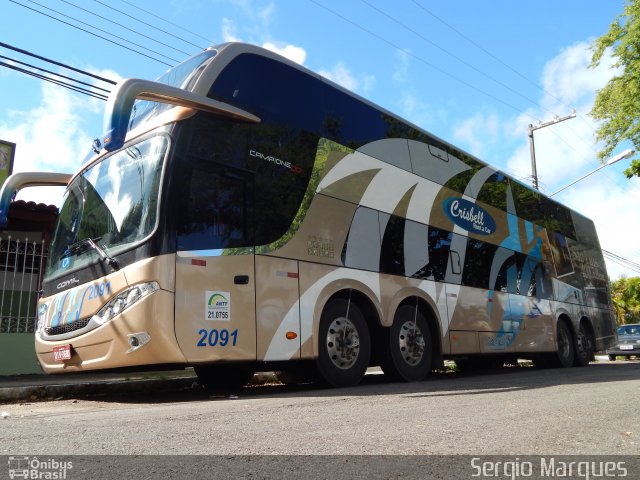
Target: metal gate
[[21, 267]]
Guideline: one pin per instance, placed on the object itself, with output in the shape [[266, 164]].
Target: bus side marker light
[[291, 335]]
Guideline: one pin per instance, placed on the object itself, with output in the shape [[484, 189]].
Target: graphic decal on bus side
[[217, 306], [469, 216]]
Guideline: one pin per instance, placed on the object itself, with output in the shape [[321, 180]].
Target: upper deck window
[[182, 76]]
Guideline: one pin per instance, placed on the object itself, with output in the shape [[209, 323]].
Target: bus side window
[[216, 213]]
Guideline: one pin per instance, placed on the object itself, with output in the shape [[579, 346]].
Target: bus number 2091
[[217, 338]]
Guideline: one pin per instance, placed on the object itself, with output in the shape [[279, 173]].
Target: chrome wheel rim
[[411, 343], [343, 343]]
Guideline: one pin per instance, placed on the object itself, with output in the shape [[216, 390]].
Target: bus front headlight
[[124, 300]]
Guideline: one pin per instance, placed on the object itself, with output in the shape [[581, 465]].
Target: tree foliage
[[625, 294], [617, 105]]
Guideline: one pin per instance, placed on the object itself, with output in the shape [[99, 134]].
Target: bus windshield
[[181, 76], [113, 203]]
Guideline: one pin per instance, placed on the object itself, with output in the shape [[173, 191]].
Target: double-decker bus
[[244, 213]]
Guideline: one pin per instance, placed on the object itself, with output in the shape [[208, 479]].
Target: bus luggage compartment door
[[215, 307]]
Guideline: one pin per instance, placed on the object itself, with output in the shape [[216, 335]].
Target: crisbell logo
[[469, 216], [68, 283]]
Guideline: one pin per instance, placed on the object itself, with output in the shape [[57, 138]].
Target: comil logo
[[217, 306], [469, 216]]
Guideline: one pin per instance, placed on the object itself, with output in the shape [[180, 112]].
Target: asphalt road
[[513, 412]]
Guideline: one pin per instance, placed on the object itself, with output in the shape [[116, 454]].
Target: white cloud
[[52, 136], [567, 78], [478, 132], [293, 53], [229, 31], [567, 147], [415, 110], [341, 75], [401, 72]]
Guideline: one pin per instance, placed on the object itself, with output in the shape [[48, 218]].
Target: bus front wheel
[[408, 358], [344, 344]]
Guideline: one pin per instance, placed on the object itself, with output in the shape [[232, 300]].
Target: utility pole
[[534, 170]]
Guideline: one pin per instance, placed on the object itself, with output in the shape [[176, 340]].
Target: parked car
[[628, 342]]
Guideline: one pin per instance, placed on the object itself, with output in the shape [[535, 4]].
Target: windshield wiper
[[81, 245]]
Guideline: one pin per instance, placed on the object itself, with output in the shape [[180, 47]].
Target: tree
[[617, 105], [625, 294]]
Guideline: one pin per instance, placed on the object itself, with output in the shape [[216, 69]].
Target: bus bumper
[[110, 346]]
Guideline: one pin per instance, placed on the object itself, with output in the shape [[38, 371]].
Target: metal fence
[[21, 267]]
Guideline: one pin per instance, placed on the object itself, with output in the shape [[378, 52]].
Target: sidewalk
[[50, 387]]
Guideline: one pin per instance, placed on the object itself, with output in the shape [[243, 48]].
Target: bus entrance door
[[215, 307]]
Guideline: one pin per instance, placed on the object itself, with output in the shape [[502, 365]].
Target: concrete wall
[[17, 354]]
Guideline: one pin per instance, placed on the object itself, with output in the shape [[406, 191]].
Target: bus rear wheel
[[344, 344], [584, 348], [409, 346]]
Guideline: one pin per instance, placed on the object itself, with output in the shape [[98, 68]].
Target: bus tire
[[409, 346], [224, 377], [584, 348], [344, 344], [564, 356], [566, 349]]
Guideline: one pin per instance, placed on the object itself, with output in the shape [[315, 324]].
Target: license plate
[[63, 352], [626, 347]]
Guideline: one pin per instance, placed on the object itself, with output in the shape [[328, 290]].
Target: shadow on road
[[438, 384]]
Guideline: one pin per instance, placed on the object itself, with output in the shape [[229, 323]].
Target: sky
[[475, 74]]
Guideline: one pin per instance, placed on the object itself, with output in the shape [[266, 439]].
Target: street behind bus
[[512, 411]]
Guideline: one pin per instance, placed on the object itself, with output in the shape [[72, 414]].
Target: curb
[[92, 389], [97, 388]]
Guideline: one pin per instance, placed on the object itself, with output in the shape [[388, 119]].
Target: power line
[[54, 62], [481, 48], [456, 57], [166, 21], [54, 73], [621, 261], [89, 32], [57, 82], [125, 27], [102, 30], [420, 59], [503, 63], [150, 25]]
